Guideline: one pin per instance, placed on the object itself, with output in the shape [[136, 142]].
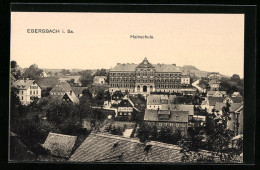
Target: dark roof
[[237, 99], [183, 107], [47, 82], [235, 106], [214, 100], [125, 103], [78, 90], [61, 87], [59, 144], [100, 147], [175, 116], [23, 84], [73, 98]]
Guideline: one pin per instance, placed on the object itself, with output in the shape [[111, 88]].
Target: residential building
[[214, 76], [174, 119], [236, 94], [99, 80], [210, 103], [44, 74], [216, 93], [60, 88], [236, 112], [59, 144], [214, 85], [233, 99], [68, 96], [117, 96], [145, 77], [78, 90], [27, 90]]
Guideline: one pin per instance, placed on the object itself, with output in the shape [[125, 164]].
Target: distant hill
[[189, 67]]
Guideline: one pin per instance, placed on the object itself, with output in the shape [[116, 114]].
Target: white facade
[[26, 95], [185, 80]]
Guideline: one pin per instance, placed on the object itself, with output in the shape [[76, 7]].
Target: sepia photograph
[[121, 87]]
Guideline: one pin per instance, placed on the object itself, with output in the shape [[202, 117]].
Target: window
[[30, 92], [177, 125], [22, 92], [22, 97], [129, 114]]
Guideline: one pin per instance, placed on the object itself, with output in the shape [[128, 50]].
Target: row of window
[[167, 86], [33, 92], [33, 87], [123, 85], [57, 93], [125, 114], [144, 73], [168, 124]]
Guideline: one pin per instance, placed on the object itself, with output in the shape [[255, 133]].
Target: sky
[[210, 42]]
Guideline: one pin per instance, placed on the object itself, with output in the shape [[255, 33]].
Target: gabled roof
[[236, 94], [23, 84], [237, 99], [59, 144], [235, 106], [214, 100], [47, 82], [183, 107], [124, 67], [73, 98], [153, 100], [212, 93], [101, 147], [175, 116], [78, 90], [125, 103], [166, 68], [145, 64], [61, 86], [219, 106]]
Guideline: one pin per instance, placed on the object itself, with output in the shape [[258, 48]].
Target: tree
[[143, 132], [87, 93], [235, 78], [101, 72], [64, 71], [86, 78], [33, 72]]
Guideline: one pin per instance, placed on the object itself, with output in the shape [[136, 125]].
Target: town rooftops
[[236, 94], [212, 93], [59, 144], [175, 116], [153, 100], [183, 107], [101, 147], [23, 84]]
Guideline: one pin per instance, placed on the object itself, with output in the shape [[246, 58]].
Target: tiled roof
[[59, 144], [183, 107], [99, 147], [211, 93], [47, 82], [175, 116], [124, 67], [153, 99], [214, 100], [166, 68], [219, 106], [72, 97], [78, 90], [23, 84], [236, 94], [125, 103], [61, 86], [235, 106], [237, 99]]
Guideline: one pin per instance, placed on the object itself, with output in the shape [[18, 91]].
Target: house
[[68, 96], [213, 76], [60, 88], [78, 90], [102, 147], [176, 120], [76, 79], [27, 90], [99, 80], [210, 103], [126, 108], [47, 82], [59, 144], [236, 94], [216, 93], [214, 85], [233, 99], [44, 74], [236, 114], [117, 96]]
